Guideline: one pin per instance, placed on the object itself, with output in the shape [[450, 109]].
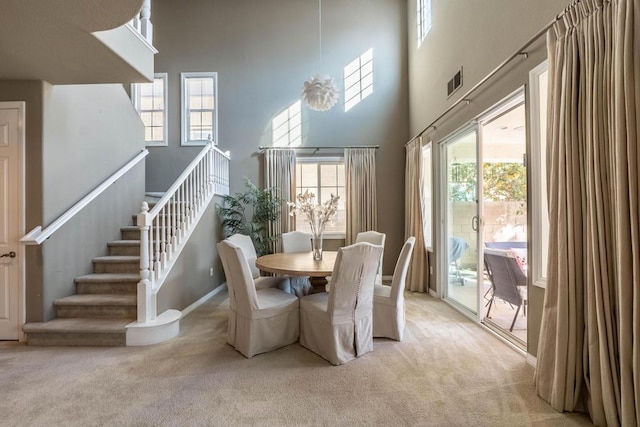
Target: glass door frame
[[442, 219]]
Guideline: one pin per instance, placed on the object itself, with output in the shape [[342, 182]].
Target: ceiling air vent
[[455, 83]]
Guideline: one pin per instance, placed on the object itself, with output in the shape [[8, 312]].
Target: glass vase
[[316, 244]]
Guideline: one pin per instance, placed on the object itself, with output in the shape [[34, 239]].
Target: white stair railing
[[165, 229], [142, 22]]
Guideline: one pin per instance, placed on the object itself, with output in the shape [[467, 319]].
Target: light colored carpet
[[447, 372]]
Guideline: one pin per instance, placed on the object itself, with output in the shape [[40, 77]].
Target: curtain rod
[[518, 52], [263, 148]]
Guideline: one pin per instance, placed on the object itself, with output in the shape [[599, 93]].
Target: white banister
[[38, 235], [141, 23], [165, 229]]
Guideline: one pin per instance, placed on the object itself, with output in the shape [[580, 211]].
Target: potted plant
[[250, 213]]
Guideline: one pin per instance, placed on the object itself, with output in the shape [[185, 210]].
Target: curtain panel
[[361, 192], [417, 277], [588, 355], [280, 173]]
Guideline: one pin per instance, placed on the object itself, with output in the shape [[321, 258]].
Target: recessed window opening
[[199, 109], [287, 127], [358, 80], [150, 101], [423, 19], [323, 177]]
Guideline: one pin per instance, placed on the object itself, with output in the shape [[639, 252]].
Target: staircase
[[104, 303]]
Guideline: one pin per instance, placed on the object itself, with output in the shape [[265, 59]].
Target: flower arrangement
[[318, 215]]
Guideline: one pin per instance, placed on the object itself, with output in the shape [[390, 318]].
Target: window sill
[[334, 236]]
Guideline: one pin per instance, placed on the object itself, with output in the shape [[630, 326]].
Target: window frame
[[538, 206], [135, 96], [328, 235], [184, 109], [424, 18]]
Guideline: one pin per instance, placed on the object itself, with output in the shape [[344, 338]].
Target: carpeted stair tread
[[117, 258], [98, 299], [78, 325], [108, 278], [124, 243]]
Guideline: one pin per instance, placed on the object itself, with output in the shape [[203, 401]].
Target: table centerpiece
[[318, 215]]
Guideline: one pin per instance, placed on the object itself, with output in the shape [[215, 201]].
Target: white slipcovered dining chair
[[260, 320], [388, 301], [338, 325], [374, 238], [292, 242], [245, 244]]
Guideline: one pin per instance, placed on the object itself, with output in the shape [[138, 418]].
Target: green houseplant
[[250, 213]]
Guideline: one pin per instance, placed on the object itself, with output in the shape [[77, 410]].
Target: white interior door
[[11, 213]]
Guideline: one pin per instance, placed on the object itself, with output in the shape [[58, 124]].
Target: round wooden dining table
[[300, 264]]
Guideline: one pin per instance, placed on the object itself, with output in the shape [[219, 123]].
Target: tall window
[[287, 127], [358, 80], [323, 177], [423, 19], [538, 78], [199, 108], [150, 100]]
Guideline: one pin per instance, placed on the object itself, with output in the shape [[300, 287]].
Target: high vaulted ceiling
[[52, 40]]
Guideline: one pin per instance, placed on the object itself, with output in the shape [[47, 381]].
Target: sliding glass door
[[461, 219], [483, 215]]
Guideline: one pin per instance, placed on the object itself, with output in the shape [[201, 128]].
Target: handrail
[[38, 235], [182, 178], [165, 229]]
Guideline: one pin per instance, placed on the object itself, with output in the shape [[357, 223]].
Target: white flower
[[316, 214]]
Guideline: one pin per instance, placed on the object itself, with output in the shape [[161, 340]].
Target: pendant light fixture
[[320, 92]]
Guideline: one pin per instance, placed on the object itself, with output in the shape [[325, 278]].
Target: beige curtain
[[280, 173], [361, 193], [588, 354], [417, 278]]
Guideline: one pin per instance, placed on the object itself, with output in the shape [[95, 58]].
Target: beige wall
[[263, 51], [76, 136], [190, 278], [477, 36]]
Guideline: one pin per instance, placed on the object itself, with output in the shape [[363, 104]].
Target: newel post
[[146, 27], [146, 304]]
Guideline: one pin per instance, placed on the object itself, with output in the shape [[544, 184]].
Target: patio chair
[[457, 246], [507, 278]]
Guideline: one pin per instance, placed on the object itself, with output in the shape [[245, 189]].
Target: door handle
[[474, 223], [11, 254]]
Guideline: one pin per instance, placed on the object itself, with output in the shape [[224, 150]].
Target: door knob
[[11, 254]]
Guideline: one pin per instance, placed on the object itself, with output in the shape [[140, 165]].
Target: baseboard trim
[[166, 326], [433, 293], [204, 299], [532, 360]]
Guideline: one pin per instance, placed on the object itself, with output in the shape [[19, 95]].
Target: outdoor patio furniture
[[507, 279]]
